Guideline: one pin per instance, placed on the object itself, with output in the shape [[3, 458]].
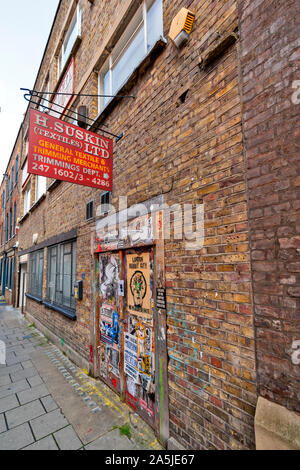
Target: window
[[73, 33], [8, 185], [142, 33], [40, 186], [2, 234], [3, 199], [36, 266], [27, 195], [6, 238], [17, 167], [90, 210], [25, 173], [104, 202], [12, 179], [61, 274], [10, 223], [15, 218]]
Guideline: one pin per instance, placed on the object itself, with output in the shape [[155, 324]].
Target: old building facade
[[187, 334], [10, 209]]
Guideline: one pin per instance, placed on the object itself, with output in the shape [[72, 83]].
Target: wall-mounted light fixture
[[181, 27]]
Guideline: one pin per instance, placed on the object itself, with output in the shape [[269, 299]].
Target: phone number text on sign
[[60, 150]]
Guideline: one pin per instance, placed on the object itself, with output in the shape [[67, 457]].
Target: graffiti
[[296, 353], [138, 288], [201, 383], [109, 274], [139, 364], [113, 359], [109, 326], [109, 323]]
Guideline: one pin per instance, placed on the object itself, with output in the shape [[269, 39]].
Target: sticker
[[139, 291]]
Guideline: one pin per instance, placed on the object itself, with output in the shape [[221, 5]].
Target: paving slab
[[5, 380], [14, 387], [34, 381], [112, 441], [27, 364], [86, 424], [5, 370], [24, 413], [16, 438], [67, 439], [49, 404], [23, 374], [48, 424], [8, 403], [2, 423], [48, 443], [32, 394]]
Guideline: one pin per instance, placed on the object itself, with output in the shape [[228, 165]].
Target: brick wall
[[270, 65], [189, 148]]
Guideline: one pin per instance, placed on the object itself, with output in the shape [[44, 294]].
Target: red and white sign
[[60, 102], [67, 152]]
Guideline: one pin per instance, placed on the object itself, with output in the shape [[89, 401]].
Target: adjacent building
[[10, 210], [197, 327]]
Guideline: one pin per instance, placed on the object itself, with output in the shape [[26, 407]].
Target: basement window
[[144, 30]]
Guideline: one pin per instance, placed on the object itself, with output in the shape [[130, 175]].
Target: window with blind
[[36, 266], [141, 34], [61, 274]]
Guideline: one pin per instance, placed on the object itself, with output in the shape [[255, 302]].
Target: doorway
[[126, 327], [23, 282]]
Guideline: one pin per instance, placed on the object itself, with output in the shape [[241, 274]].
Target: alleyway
[[47, 403]]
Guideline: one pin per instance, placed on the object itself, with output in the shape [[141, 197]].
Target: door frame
[[160, 323]]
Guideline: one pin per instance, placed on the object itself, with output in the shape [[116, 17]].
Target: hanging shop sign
[[60, 150], [60, 102]]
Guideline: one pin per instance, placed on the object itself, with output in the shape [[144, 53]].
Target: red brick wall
[[270, 64], [198, 142]]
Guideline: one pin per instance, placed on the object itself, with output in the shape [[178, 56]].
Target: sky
[[24, 29]]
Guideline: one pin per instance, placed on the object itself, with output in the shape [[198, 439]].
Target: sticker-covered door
[[139, 341], [109, 319]]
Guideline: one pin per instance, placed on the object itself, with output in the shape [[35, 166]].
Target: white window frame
[[75, 23], [27, 199], [25, 173], [40, 186], [105, 207], [139, 20]]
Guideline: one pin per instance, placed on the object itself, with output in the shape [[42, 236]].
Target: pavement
[[48, 403]]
